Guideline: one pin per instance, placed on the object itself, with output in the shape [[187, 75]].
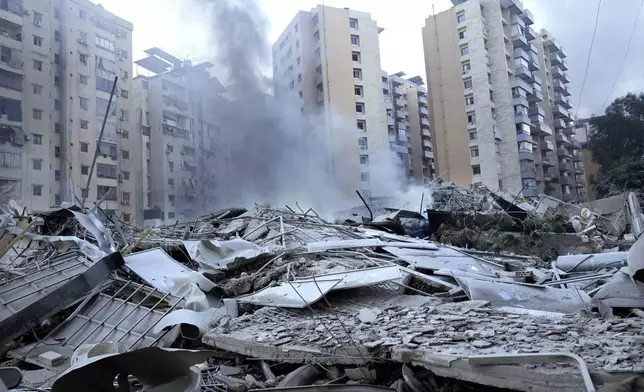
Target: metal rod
[[134, 308], [98, 144], [366, 205], [98, 203]]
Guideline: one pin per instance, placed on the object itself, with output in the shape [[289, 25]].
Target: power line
[[590, 51], [628, 47]]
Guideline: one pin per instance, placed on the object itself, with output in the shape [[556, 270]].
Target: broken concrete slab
[[224, 255], [291, 294]]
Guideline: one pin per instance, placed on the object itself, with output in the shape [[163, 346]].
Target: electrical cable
[[590, 51], [628, 47]]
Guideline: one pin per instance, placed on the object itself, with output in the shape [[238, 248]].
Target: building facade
[[58, 65], [327, 62], [408, 126], [180, 142], [498, 103]]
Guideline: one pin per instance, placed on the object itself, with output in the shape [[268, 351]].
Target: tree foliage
[[619, 133], [624, 175]]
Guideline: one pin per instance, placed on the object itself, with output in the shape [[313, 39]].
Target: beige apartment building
[[498, 100], [408, 126], [327, 62], [57, 67], [181, 146]]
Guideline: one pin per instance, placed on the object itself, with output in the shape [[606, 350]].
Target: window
[[299, 78], [36, 139], [473, 135], [56, 58], [36, 164], [465, 50], [84, 147], [126, 175], [353, 23], [466, 67], [83, 79], [359, 107], [82, 14], [291, 85], [362, 142], [57, 127], [57, 199], [460, 18], [125, 154], [476, 169], [144, 84], [362, 125], [125, 196], [37, 65], [355, 40], [84, 170], [355, 56], [56, 175], [171, 182], [474, 152], [37, 114], [297, 27], [125, 115], [124, 75], [301, 94], [299, 60], [358, 91], [491, 96], [364, 177], [103, 84], [471, 118], [37, 89], [57, 81], [469, 100], [84, 103], [171, 166], [315, 19], [57, 105], [36, 190], [357, 74], [467, 83], [364, 159], [56, 35], [84, 124], [126, 218], [171, 198], [104, 43], [125, 134], [37, 40], [83, 58], [462, 33], [316, 36], [57, 152], [317, 53], [170, 215]]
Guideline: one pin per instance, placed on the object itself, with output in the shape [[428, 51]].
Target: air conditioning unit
[[118, 52], [119, 130], [127, 202], [37, 23]]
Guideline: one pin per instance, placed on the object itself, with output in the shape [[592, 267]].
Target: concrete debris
[[383, 296]]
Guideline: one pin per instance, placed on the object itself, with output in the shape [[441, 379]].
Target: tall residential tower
[[498, 100]]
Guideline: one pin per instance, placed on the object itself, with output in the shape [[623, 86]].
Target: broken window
[[36, 190]]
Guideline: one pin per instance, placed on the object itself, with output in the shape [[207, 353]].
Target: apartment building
[[327, 62], [174, 108], [58, 63], [494, 121], [408, 126], [587, 167]]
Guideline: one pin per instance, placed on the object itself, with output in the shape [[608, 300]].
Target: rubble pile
[[280, 298]]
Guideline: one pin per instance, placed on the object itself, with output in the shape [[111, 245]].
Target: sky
[[181, 28]]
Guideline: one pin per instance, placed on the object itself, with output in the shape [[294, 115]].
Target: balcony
[[398, 92], [545, 162], [526, 156], [516, 82], [390, 121], [522, 118], [422, 99], [520, 101], [524, 137], [567, 197], [559, 123], [392, 138], [564, 65], [576, 144], [426, 133], [552, 44], [388, 104], [427, 143], [535, 80], [397, 80], [563, 180], [547, 145], [424, 111], [11, 61], [579, 183], [401, 114], [523, 72], [428, 154], [533, 63], [520, 53], [582, 198], [530, 192], [564, 152], [541, 129], [559, 112], [530, 173], [578, 158], [399, 103], [519, 40], [555, 58], [579, 169], [536, 110], [513, 5], [385, 86], [11, 11], [560, 87], [564, 78], [535, 96], [563, 139]]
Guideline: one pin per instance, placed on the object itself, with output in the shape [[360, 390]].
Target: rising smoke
[[275, 154]]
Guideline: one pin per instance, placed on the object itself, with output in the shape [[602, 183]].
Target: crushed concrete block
[[51, 358], [361, 373], [367, 315]]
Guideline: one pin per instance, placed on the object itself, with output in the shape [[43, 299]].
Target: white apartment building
[[57, 67], [408, 125], [181, 146], [327, 61], [488, 72]]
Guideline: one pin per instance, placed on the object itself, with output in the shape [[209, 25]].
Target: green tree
[[623, 175], [618, 135]]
